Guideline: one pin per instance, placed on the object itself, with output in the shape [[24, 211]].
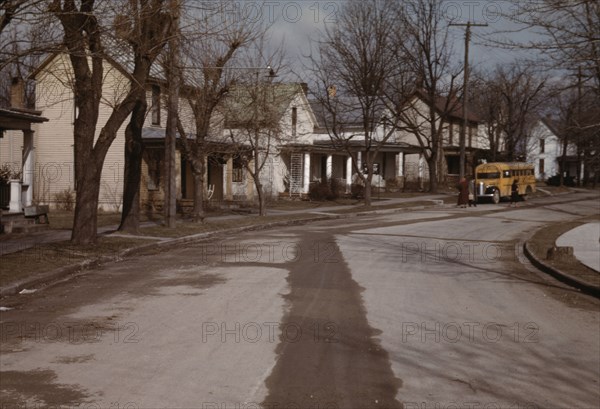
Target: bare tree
[[26, 30], [487, 103], [510, 99], [143, 25], [568, 35], [253, 117], [18, 68], [83, 39], [26, 35], [211, 70], [576, 124], [521, 93], [352, 67], [427, 51], [9, 9]]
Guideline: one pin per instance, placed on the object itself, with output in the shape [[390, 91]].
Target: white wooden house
[[545, 151], [304, 152]]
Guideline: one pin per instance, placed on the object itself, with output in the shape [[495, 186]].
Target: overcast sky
[[296, 20]]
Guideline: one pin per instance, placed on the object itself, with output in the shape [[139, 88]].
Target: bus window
[[492, 175]]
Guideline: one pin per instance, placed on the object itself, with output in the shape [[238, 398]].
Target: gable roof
[[551, 124], [442, 103], [240, 99], [349, 113], [117, 53]]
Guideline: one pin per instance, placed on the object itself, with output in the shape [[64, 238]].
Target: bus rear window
[[493, 175]]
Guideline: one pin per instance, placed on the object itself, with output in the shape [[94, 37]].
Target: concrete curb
[[584, 287], [80, 268]]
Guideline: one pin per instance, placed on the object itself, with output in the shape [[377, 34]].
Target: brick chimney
[[17, 93]]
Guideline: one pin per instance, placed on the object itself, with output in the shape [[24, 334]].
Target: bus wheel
[[496, 197], [528, 191]]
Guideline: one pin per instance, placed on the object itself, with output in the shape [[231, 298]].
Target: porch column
[[28, 167], [329, 167], [306, 176], [400, 164], [359, 161], [15, 205], [228, 179], [348, 174]]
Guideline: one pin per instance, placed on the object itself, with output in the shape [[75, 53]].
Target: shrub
[[336, 189], [319, 191], [8, 172], [555, 181], [357, 191], [65, 200]]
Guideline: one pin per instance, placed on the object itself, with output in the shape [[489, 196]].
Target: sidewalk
[[581, 272], [585, 241], [15, 243]]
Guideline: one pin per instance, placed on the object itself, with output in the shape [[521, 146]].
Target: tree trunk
[[134, 148], [441, 168], [433, 183], [198, 172], [368, 187], [262, 205], [85, 222], [563, 161], [587, 162]]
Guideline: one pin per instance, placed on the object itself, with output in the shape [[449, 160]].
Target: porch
[[16, 192], [306, 164]]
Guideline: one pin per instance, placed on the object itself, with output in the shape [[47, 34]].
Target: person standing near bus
[[463, 193], [514, 193]]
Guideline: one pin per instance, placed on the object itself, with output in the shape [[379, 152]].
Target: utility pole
[[174, 78], [463, 131]]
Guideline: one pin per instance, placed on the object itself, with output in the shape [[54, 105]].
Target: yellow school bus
[[493, 180]]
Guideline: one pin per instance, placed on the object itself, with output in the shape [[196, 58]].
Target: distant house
[[449, 110], [545, 151], [52, 145], [304, 152]]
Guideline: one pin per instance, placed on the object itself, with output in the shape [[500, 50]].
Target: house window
[[294, 121], [542, 169], [237, 171], [155, 105], [453, 163], [542, 146]]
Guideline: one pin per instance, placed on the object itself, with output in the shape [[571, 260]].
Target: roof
[[349, 113], [240, 99], [118, 53], [551, 124], [19, 119], [441, 104], [329, 146]]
